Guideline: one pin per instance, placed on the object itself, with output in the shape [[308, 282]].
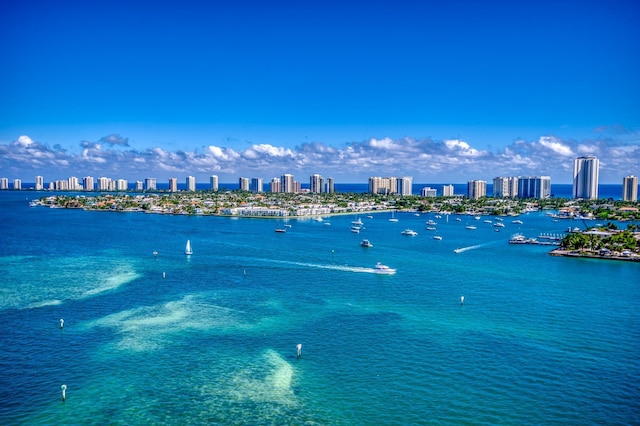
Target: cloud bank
[[427, 160]]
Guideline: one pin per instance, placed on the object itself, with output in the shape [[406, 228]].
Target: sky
[[443, 91]]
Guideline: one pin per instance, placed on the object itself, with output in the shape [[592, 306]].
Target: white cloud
[[555, 145], [426, 159]]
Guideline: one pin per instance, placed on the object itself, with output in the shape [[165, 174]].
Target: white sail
[[188, 250]]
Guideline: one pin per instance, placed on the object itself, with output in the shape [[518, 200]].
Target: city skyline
[[444, 92]]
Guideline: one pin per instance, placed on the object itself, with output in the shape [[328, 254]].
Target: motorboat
[[437, 237], [384, 269], [366, 243], [409, 232]]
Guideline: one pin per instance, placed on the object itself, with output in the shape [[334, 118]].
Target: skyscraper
[[243, 183], [447, 190], [476, 189], [150, 184], [256, 185], [88, 183], [585, 177], [405, 185], [630, 188], [39, 183], [534, 187], [191, 183], [173, 184], [316, 183], [214, 182], [287, 183]]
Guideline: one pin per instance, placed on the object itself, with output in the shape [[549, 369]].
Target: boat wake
[[463, 249], [345, 268]]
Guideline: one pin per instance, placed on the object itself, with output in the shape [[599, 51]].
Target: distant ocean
[[211, 338], [609, 191]]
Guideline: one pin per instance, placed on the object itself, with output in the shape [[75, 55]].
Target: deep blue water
[[539, 339]]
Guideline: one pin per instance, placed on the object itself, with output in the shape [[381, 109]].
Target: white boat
[[355, 229], [187, 249], [431, 222], [471, 227], [393, 216], [409, 232], [366, 243], [431, 228], [517, 221], [281, 230], [357, 222], [437, 237], [384, 269]]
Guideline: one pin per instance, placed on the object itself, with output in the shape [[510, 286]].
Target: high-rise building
[[316, 183], [88, 183], [274, 185], [73, 183], [256, 185], [243, 184], [505, 187], [447, 190], [104, 183], [213, 180], [630, 188], [139, 185], [173, 184], [191, 183], [331, 188], [39, 183], [150, 184], [380, 185], [476, 189], [534, 187], [287, 183], [4, 183], [404, 185], [122, 185], [585, 177], [17, 184]]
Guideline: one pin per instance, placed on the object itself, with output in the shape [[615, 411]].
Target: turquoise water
[[539, 339]]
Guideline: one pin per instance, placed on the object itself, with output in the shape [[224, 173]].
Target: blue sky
[[444, 91]]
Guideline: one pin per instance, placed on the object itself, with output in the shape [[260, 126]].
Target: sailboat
[[187, 249], [393, 216]]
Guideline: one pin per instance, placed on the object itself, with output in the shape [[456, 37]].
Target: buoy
[[64, 392], [61, 323], [462, 300], [299, 348], [164, 275]]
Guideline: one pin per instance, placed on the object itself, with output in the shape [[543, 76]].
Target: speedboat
[[409, 232], [366, 243], [384, 269], [471, 227], [437, 237]]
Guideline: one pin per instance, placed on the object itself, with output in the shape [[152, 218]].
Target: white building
[[256, 185], [243, 184], [630, 188], [39, 183], [585, 177], [88, 183], [213, 181], [4, 183], [316, 183], [429, 192], [191, 183], [447, 190], [476, 189], [173, 184]]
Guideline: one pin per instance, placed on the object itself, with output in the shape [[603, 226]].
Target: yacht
[[437, 237], [366, 243], [409, 232], [384, 269], [471, 227]]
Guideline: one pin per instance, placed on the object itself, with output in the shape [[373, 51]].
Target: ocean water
[[211, 338]]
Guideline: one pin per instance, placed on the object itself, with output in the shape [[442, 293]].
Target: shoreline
[[588, 255]]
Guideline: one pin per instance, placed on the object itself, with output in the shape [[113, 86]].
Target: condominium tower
[[630, 188], [214, 182], [476, 189], [585, 177]]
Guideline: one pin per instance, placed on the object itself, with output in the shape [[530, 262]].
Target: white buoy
[[61, 323], [462, 300], [299, 348], [64, 392]]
